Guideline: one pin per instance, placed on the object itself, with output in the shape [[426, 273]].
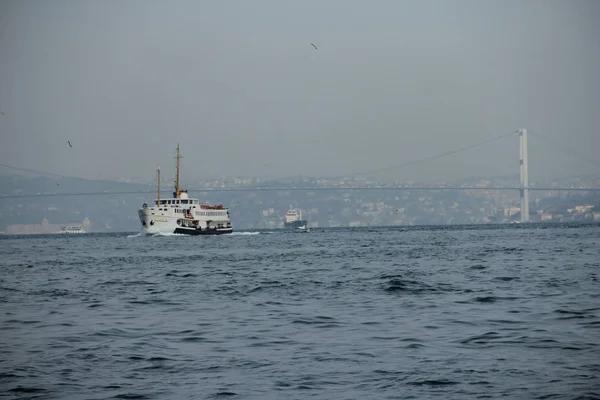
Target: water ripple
[[421, 313]]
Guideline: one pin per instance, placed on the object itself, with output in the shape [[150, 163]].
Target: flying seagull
[[70, 145], [314, 46]]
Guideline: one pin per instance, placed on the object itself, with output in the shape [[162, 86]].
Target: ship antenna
[[178, 157]]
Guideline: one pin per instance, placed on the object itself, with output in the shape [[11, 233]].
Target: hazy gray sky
[[238, 84]]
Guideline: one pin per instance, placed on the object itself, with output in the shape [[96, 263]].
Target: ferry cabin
[[187, 208]]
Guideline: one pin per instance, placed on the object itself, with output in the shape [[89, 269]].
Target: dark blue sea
[[383, 313]]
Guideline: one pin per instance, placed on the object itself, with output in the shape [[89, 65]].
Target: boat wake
[[243, 233], [139, 234], [154, 234], [167, 234]]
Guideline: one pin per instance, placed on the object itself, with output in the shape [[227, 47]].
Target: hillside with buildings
[[325, 202]]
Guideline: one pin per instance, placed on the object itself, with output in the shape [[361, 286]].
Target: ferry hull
[[157, 224], [221, 231], [295, 224]]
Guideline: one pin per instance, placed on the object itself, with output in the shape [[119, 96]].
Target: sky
[[238, 84]]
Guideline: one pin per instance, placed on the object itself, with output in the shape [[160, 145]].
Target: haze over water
[[453, 312], [240, 86]]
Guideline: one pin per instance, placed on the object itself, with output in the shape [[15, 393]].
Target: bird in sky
[[69, 142], [314, 46]]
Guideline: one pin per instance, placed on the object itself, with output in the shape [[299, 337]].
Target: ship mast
[[158, 194], [178, 157]]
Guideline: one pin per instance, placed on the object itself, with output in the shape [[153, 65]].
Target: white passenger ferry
[[183, 214]]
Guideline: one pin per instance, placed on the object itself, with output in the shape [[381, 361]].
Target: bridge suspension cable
[[307, 189], [562, 147], [434, 157], [36, 171]]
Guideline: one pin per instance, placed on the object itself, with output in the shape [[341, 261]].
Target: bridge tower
[[524, 176]]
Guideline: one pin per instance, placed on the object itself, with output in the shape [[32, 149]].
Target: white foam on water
[[168, 234], [145, 233], [139, 234]]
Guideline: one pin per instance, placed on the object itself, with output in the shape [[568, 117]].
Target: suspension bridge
[[524, 188]]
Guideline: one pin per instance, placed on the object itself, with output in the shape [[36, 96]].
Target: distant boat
[[293, 219], [184, 215]]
